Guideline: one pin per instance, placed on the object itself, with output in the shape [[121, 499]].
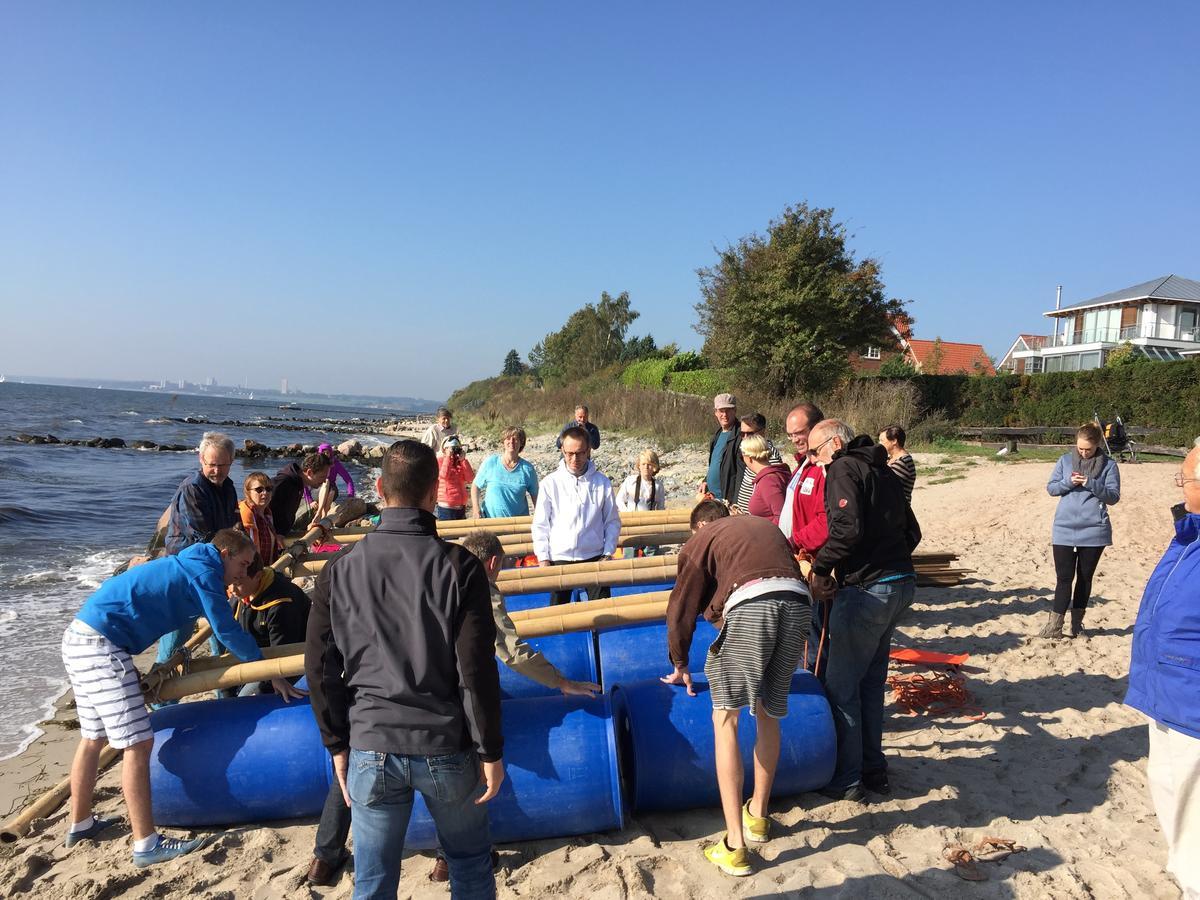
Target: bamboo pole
[[637, 540], [569, 620], [678, 532], [232, 675], [525, 617], [589, 580], [599, 565], [18, 826]]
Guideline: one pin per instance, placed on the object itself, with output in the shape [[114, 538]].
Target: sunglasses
[[815, 450], [262, 490]]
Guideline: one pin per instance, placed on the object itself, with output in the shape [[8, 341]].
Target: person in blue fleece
[[1164, 682], [125, 616]]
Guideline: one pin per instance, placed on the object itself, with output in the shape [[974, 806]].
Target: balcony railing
[[1128, 333]]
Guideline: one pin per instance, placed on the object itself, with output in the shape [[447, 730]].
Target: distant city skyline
[[387, 199]]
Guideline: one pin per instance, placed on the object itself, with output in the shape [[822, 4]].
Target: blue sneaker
[[89, 833], [166, 849]]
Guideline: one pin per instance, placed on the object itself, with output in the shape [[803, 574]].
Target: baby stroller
[[1116, 441]]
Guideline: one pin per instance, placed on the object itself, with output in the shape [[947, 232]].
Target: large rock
[[375, 454], [255, 448], [350, 448]]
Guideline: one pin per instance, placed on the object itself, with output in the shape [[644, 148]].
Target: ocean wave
[[131, 412], [89, 572], [97, 567], [28, 732], [75, 421], [9, 514], [158, 421]]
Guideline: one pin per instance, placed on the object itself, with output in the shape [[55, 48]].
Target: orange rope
[[935, 694]]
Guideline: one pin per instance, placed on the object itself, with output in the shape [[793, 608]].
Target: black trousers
[[1077, 564], [333, 828], [557, 598]]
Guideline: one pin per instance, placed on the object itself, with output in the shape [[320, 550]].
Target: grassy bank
[[671, 419]]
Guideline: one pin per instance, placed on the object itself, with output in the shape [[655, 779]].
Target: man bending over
[[740, 573]]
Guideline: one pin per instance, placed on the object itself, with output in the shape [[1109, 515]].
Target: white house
[[1160, 318]]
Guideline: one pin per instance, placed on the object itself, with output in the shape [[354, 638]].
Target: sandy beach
[[1057, 763]]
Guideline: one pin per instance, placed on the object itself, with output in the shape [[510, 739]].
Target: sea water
[[70, 515]]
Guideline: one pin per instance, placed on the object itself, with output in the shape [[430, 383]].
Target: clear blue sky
[[231, 189]]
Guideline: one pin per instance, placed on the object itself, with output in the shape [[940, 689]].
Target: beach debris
[[934, 694], [964, 863]]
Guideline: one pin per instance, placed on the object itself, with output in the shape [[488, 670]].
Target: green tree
[[1124, 355], [592, 338], [937, 355], [513, 364], [896, 366], [785, 310]]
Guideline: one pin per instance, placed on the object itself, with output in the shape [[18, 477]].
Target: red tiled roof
[[1033, 341], [969, 358]]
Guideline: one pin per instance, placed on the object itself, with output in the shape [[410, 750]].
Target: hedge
[[701, 382], [647, 373], [1162, 395]]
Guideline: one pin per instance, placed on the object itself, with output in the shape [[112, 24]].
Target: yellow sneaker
[[731, 862], [754, 828]]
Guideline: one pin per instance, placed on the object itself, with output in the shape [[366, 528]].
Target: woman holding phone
[[1086, 481]]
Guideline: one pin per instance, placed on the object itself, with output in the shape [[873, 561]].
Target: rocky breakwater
[[352, 449]]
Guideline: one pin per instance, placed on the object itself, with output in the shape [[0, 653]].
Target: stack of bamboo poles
[[515, 527], [933, 570], [287, 661]]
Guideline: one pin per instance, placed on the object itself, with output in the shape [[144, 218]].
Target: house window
[[1089, 360], [1033, 365], [872, 353], [1187, 325]]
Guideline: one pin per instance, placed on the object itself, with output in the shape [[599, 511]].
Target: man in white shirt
[[576, 518], [441, 429]]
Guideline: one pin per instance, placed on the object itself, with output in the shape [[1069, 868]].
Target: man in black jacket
[[872, 533], [402, 670], [290, 482]]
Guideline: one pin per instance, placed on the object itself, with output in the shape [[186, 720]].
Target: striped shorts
[[757, 651], [108, 696]]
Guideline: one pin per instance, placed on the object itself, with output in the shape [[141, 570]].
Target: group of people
[[403, 629]]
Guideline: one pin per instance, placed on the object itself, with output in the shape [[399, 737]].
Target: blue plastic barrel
[[573, 654], [639, 652], [521, 602], [247, 759], [666, 740], [563, 776]]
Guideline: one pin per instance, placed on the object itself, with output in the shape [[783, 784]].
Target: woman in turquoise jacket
[[1087, 482]]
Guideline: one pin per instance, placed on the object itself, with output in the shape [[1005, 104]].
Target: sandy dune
[[1057, 763]]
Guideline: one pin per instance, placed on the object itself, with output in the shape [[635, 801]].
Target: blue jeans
[[449, 514], [860, 636], [381, 798]]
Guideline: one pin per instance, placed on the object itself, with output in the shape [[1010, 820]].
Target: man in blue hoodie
[[125, 616], [1164, 682]]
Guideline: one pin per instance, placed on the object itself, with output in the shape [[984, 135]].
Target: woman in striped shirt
[[899, 459]]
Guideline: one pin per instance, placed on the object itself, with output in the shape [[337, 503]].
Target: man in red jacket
[[802, 519]]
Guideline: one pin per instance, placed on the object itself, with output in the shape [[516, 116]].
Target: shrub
[[648, 373], [702, 382]]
